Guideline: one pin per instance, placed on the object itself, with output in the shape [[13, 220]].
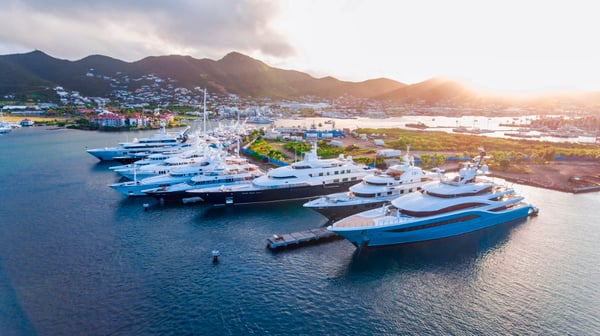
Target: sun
[[472, 43]]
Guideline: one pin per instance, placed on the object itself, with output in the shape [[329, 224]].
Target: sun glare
[[535, 51]]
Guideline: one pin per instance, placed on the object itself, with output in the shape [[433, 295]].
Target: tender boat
[[374, 191], [304, 179], [454, 205]]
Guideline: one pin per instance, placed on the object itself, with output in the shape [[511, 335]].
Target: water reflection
[[460, 251]]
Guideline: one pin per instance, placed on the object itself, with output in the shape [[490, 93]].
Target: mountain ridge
[[235, 73]]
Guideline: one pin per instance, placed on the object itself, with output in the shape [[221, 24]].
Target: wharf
[[298, 239]]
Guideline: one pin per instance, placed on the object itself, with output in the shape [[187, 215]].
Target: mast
[[204, 122]]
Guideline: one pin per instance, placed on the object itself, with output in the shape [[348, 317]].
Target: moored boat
[[177, 175], [454, 205], [160, 140], [373, 191], [304, 179], [234, 170]]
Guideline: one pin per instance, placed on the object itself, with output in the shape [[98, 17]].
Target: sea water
[[78, 258]]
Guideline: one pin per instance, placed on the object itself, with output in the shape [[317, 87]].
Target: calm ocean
[[78, 258]]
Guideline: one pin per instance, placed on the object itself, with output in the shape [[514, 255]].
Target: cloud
[[134, 29]]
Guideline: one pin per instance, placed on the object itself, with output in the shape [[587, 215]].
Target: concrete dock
[[298, 239]]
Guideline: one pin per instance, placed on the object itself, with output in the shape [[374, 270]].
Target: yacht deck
[[357, 221]]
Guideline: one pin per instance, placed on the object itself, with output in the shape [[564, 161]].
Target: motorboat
[[374, 190], [153, 158], [5, 129], [234, 170], [457, 204], [5, 126], [160, 140], [188, 157], [304, 179], [177, 175]]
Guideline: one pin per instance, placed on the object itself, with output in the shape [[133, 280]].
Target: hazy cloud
[[133, 29]]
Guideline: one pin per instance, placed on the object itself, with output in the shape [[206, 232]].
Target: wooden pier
[[298, 239]]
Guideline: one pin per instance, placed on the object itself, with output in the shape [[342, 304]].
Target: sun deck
[[376, 219]]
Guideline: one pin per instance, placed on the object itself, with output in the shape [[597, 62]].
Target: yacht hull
[[254, 195], [168, 196], [337, 211], [430, 228], [135, 188]]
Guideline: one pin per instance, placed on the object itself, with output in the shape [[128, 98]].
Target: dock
[[297, 239]]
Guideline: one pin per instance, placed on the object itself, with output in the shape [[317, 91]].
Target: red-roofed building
[[109, 119]]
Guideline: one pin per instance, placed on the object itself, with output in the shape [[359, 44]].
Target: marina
[[84, 259]]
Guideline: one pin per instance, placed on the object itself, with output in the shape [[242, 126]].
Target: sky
[[508, 46]]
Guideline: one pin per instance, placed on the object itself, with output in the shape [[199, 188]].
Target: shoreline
[[567, 176]]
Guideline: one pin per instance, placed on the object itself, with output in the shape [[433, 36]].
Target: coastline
[[566, 176], [571, 177]]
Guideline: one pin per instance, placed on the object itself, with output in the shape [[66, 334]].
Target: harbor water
[[78, 258]]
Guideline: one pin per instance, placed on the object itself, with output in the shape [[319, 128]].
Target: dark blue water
[[78, 258]]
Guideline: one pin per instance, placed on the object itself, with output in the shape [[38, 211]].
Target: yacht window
[[440, 223], [364, 195], [441, 211], [283, 177], [300, 167]]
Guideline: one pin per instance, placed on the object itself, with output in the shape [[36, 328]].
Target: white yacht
[[177, 175], [5, 126], [374, 191], [454, 205], [301, 180], [234, 170], [189, 157], [154, 158], [160, 140]]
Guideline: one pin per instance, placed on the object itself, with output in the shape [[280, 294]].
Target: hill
[[235, 73], [36, 73]]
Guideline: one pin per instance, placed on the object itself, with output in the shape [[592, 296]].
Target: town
[[146, 101]]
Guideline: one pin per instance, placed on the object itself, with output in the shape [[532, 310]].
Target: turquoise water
[[78, 258]]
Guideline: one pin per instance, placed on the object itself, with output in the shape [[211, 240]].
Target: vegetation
[[505, 152], [261, 146], [508, 155]]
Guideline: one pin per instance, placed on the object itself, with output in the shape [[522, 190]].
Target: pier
[[297, 239]]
